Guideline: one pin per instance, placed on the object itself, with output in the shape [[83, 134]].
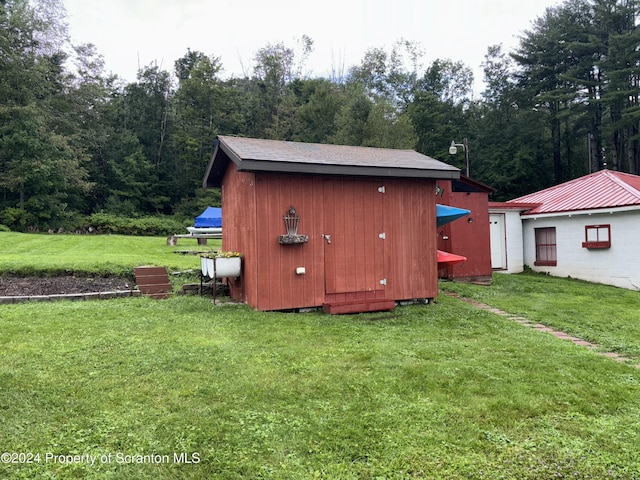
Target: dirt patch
[[29, 286]]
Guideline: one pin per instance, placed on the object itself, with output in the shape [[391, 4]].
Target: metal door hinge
[[382, 235], [383, 281], [381, 189]]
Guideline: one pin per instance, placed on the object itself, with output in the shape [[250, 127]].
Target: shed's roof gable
[[599, 190], [467, 184], [257, 155]]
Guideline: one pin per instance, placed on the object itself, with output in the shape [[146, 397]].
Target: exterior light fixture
[[465, 146]]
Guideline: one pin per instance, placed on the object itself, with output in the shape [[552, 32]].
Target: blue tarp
[[446, 214], [211, 217]]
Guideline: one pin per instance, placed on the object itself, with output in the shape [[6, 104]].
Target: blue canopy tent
[[211, 217], [446, 214]]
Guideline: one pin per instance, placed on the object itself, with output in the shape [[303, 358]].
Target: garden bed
[[30, 286]]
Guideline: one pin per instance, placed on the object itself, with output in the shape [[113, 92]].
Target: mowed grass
[[605, 315], [29, 254], [439, 391], [181, 388]]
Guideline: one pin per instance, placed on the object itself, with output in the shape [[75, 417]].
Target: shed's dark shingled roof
[[255, 155]]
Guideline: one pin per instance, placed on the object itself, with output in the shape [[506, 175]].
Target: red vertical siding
[[238, 231], [354, 213], [311, 210], [267, 251], [373, 225], [353, 218], [354, 260], [280, 287], [410, 248], [332, 210], [470, 239]]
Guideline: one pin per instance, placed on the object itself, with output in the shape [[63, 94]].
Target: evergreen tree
[[616, 22]]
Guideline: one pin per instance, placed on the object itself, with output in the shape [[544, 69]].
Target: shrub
[[143, 226], [17, 218]]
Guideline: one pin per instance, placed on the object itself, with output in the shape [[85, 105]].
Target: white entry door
[[498, 242]]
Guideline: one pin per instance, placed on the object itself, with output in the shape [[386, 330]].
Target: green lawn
[[92, 254], [605, 315], [440, 391], [444, 391]]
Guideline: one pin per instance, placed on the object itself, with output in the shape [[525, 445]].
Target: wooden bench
[[202, 237], [153, 281]]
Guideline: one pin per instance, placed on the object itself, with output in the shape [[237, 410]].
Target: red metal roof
[[602, 189]]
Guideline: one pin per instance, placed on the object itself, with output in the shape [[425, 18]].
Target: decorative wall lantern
[[291, 222]]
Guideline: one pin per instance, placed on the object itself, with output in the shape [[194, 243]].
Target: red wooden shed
[[366, 227], [469, 236]]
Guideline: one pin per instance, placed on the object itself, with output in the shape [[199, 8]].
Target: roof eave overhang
[[345, 170], [512, 206], [477, 184], [213, 176], [571, 213]]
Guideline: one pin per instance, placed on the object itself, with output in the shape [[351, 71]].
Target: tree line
[[75, 140]]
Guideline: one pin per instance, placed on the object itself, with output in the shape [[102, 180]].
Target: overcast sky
[[132, 33]]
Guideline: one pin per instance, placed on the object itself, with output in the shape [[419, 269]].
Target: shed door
[[354, 236], [498, 241]]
